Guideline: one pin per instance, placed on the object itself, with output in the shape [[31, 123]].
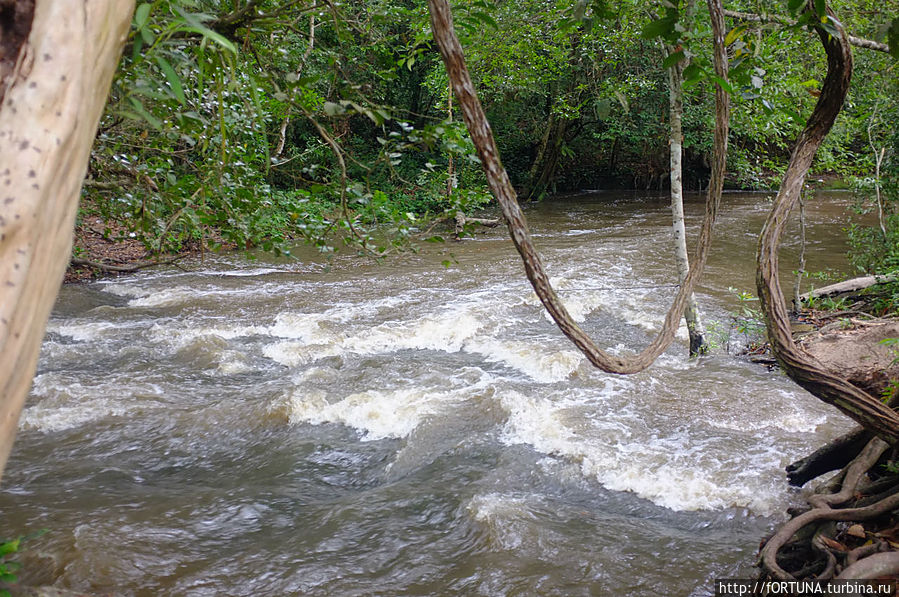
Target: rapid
[[316, 426]]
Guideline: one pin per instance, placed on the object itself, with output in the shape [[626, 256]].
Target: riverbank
[[104, 248], [848, 527]]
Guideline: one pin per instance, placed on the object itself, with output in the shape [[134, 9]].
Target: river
[[341, 427]]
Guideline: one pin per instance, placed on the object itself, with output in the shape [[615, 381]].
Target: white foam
[[679, 471], [496, 507], [182, 336], [295, 354], [66, 405], [379, 415], [123, 289], [530, 358], [317, 338], [50, 417], [446, 332], [83, 332], [165, 298], [309, 328]]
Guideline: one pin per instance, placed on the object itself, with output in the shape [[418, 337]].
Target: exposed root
[[819, 544], [875, 566], [119, 269], [830, 457], [461, 221], [857, 469]]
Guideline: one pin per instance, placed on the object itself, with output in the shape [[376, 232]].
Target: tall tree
[[498, 179], [698, 344], [58, 58]]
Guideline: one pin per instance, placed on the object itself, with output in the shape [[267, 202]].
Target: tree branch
[[859, 42]]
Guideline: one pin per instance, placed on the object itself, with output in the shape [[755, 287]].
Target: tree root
[[874, 566], [815, 545], [120, 269], [830, 457], [461, 220], [854, 473]]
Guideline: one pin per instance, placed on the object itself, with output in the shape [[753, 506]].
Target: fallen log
[[461, 220], [852, 285]]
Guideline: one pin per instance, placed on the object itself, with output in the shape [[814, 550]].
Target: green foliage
[[894, 343], [8, 567], [238, 127], [748, 319], [256, 124]]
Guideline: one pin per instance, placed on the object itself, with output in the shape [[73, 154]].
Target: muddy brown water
[[340, 427]]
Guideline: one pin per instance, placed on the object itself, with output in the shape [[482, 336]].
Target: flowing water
[[348, 428]]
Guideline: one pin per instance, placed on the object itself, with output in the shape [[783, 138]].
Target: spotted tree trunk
[[58, 60]]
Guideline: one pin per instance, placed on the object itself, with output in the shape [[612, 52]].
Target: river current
[[341, 427]]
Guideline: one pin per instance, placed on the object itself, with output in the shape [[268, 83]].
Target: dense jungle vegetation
[[255, 122]]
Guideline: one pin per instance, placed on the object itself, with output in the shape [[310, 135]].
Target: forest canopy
[[254, 123]]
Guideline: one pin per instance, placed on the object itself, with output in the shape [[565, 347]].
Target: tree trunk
[[799, 366], [698, 344], [498, 179], [54, 97], [543, 169]]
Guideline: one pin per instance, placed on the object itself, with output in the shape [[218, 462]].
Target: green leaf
[[172, 77], [9, 547], [795, 5], [146, 116], [136, 48], [692, 73], [725, 85], [733, 35], [141, 15], [673, 59], [829, 25], [147, 36], [657, 28], [486, 19], [821, 8], [211, 35]]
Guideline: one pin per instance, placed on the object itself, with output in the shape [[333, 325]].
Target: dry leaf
[[833, 544], [856, 530]]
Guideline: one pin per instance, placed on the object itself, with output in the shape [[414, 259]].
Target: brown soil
[[106, 243], [852, 349], [104, 249]]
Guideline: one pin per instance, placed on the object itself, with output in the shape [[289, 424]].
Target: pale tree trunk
[[498, 180], [698, 343], [54, 97], [282, 134]]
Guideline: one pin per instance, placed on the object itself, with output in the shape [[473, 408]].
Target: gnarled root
[[830, 457], [843, 553]]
